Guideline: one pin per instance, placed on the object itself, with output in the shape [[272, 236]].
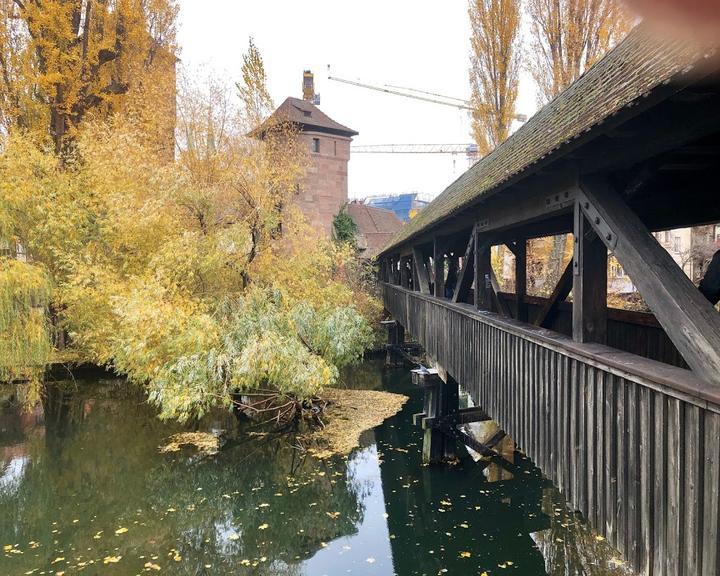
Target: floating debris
[[349, 414], [205, 443]]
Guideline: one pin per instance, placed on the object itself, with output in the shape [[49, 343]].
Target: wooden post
[[450, 407], [421, 273], [589, 283], [404, 278], [520, 251], [413, 272], [439, 267], [433, 439], [688, 318], [466, 275], [482, 273], [396, 338]]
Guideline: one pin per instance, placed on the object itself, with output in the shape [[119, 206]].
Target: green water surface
[[83, 490]]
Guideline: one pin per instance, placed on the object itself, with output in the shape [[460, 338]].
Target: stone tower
[[325, 188]]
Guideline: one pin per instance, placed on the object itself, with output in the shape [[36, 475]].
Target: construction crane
[[416, 95], [469, 149]]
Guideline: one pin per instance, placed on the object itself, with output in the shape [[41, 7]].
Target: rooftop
[[627, 74], [307, 116], [376, 227]]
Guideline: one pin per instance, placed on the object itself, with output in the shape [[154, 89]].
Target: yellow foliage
[[193, 277]]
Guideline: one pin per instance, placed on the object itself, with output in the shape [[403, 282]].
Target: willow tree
[[494, 68], [62, 61]]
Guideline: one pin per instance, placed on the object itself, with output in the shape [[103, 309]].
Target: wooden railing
[[632, 443]]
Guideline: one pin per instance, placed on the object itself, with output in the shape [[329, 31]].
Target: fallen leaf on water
[[151, 566], [234, 536], [263, 527], [121, 531], [465, 554], [111, 559]]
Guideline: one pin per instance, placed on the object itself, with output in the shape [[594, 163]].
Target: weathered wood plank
[[693, 482], [660, 502], [675, 488], [711, 498], [647, 466], [633, 476]]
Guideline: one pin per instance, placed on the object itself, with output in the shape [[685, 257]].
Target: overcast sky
[[422, 44]]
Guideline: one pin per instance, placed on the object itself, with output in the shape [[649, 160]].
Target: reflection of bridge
[[620, 409], [509, 511]]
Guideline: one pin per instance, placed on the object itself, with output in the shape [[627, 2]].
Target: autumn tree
[[494, 68], [62, 61], [257, 103], [569, 36]]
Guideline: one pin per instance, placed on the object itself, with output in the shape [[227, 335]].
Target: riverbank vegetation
[[189, 272]]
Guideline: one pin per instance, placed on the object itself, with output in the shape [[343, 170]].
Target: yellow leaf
[[465, 554], [121, 531], [263, 527]]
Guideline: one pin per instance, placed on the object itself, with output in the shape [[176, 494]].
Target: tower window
[[316, 145]]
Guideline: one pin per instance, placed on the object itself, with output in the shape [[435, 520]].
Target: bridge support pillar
[[441, 406], [396, 338]]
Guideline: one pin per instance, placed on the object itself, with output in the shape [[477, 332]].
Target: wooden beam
[[560, 293], [414, 273], [519, 248], [404, 276], [439, 267], [688, 318], [501, 305], [421, 272], [482, 272], [516, 207], [589, 283], [466, 275]]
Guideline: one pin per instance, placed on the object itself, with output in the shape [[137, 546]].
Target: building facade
[[324, 190]]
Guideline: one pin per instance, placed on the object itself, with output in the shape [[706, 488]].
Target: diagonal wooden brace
[[688, 318]]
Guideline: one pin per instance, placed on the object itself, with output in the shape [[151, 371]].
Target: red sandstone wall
[[325, 189]]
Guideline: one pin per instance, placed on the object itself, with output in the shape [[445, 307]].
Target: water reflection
[[82, 485]]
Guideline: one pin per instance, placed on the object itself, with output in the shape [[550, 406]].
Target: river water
[[83, 490]]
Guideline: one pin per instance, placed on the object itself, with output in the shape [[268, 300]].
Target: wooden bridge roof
[[622, 79]]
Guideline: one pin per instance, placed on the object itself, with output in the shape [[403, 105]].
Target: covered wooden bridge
[[620, 409]]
